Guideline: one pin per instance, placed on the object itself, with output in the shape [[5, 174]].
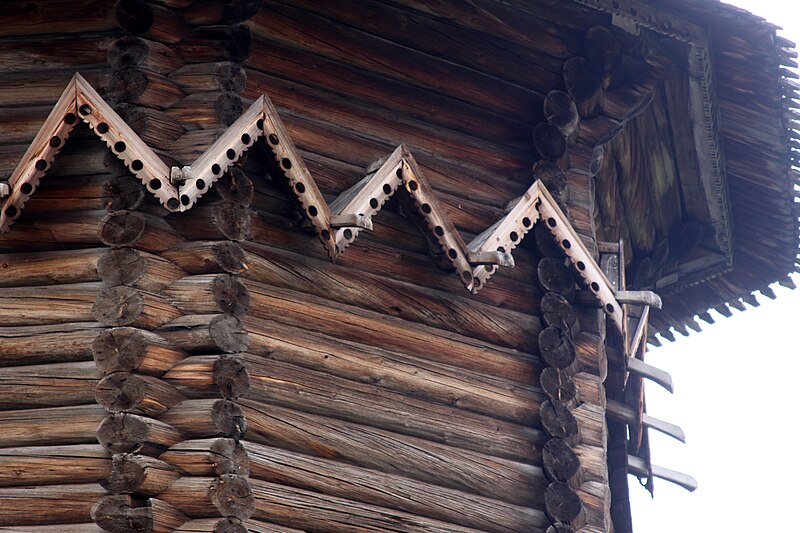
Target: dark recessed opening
[[201, 184], [387, 188], [452, 253], [26, 188], [155, 184], [286, 163], [245, 138], [273, 139], [185, 200], [300, 188], [373, 203], [119, 147], [41, 165], [55, 142], [85, 109], [137, 165], [312, 211], [215, 169], [102, 128], [230, 153], [426, 209]]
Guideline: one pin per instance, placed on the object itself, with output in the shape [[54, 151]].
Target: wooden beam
[[638, 467], [620, 412], [656, 375]]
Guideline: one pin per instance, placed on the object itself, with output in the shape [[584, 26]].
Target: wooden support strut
[[639, 467]]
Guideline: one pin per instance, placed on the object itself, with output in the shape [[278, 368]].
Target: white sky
[[735, 396]]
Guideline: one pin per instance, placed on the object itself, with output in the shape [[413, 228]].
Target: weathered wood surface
[[392, 491], [53, 385], [126, 306], [208, 457], [207, 333], [128, 433], [209, 294], [60, 528], [135, 52], [126, 266], [31, 306], [208, 257], [49, 268], [22, 506], [200, 497], [393, 453], [47, 344], [299, 388], [232, 525], [199, 419], [124, 513], [200, 375], [139, 474], [52, 465], [126, 349], [137, 394]]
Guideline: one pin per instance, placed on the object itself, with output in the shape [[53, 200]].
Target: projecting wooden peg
[[648, 298]]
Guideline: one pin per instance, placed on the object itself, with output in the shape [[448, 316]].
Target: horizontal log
[[395, 371], [126, 306], [295, 387], [58, 50], [150, 56], [144, 232], [207, 111], [395, 454], [200, 497], [201, 375], [58, 384], [151, 21], [128, 349], [217, 43], [139, 474], [127, 514], [207, 12], [49, 268], [333, 478], [207, 333], [208, 457], [156, 128], [60, 528], [209, 294], [217, 76], [53, 465], [199, 419], [137, 86], [22, 506], [28, 306], [208, 257], [231, 525], [142, 270], [48, 344], [215, 220], [137, 394], [127, 433]]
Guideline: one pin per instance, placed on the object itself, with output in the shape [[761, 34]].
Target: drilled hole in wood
[[185, 200], [245, 139], [200, 184], [102, 128], [155, 184], [452, 253], [551, 222], [119, 147], [273, 139], [466, 275], [476, 282], [11, 211], [413, 185], [399, 172], [581, 266], [526, 222], [566, 244], [286, 163], [137, 165], [387, 188], [230, 153], [70, 118], [312, 211], [609, 309], [373, 203], [348, 234], [41, 165], [55, 142], [633, 11], [595, 286], [215, 169], [439, 231], [26, 188], [260, 123], [514, 236], [490, 269], [300, 188], [501, 249], [325, 234], [172, 203], [426, 209], [85, 109]]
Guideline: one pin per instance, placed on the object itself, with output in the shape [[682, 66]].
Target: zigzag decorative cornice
[[336, 225]]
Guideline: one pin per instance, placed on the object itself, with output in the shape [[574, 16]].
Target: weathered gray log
[[28, 306], [214, 525], [142, 270], [127, 433], [235, 186], [555, 276], [217, 43], [546, 245], [558, 385], [560, 111], [209, 374], [549, 141], [52, 465], [23, 506], [199, 419], [559, 421], [126, 514], [217, 76], [208, 257], [139, 474], [561, 463], [25, 387], [207, 333], [209, 294], [73, 528], [208, 457], [126, 306], [584, 86], [384, 451], [138, 394], [128, 349], [556, 347], [333, 478], [562, 504], [558, 312], [200, 497]]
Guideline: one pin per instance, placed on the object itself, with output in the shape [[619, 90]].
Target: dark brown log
[[558, 385], [558, 312], [144, 395], [231, 377], [562, 504], [549, 141], [22, 506], [199, 419], [393, 453], [220, 220], [124, 192], [208, 294], [139, 474], [151, 21], [209, 333], [334, 478], [77, 193], [235, 186], [49, 268], [208, 257], [149, 89], [584, 86], [149, 56], [127, 433], [559, 421], [560, 462], [129, 349], [546, 245], [604, 54], [294, 387], [209, 457], [125, 228], [25, 387], [555, 276], [222, 525], [206, 110], [126, 266], [126, 306], [556, 347], [52, 425], [207, 12], [126, 514], [52, 465], [218, 76], [199, 497], [560, 111], [553, 178], [217, 43], [156, 128], [22, 306], [47, 344]]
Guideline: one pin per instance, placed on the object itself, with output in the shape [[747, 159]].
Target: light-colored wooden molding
[[639, 467]]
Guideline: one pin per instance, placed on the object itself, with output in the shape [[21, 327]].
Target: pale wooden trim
[[639, 467]]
